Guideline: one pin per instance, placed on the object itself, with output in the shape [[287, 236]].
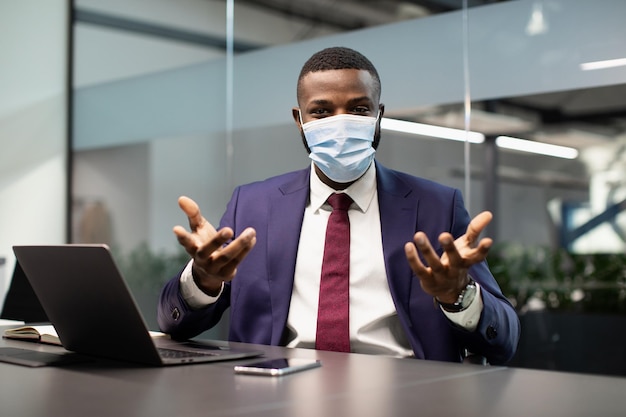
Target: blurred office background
[[109, 110]]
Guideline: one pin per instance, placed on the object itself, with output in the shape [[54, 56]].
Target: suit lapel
[[398, 216], [398, 207], [286, 213]]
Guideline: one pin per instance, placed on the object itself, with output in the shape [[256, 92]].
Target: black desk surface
[[346, 385]]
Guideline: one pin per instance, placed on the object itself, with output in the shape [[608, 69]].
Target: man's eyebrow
[[360, 99], [352, 101], [321, 102]]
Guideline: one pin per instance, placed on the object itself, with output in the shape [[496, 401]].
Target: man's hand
[[445, 277], [213, 263]]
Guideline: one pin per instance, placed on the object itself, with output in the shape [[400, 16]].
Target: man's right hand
[[213, 263]]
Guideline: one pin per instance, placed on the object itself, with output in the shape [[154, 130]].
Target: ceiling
[[356, 14]]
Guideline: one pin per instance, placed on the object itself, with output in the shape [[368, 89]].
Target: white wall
[[33, 60]]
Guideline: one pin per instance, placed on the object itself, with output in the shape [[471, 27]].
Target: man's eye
[[319, 113], [361, 110]]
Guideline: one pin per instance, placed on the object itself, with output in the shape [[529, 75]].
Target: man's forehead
[[348, 75], [335, 81]]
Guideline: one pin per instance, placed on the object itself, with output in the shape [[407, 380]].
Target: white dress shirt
[[374, 323]]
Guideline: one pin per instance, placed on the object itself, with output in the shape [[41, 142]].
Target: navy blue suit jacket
[[260, 294]]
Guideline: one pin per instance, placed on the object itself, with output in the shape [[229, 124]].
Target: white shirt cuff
[[194, 296], [468, 318]]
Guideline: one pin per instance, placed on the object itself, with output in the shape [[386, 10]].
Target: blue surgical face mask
[[341, 146]]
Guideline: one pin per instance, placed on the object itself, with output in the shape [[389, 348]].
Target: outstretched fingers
[[421, 243], [192, 210], [224, 261], [474, 251], [477, 225], [202, 235]]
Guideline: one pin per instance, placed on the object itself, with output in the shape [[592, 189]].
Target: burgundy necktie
[[333, 330]]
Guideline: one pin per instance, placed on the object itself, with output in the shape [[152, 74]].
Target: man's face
[[333, 92]]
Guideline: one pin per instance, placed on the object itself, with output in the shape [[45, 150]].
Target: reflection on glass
[[561, 235]]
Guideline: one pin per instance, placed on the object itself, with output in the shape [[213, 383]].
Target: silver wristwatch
[[463, 301]]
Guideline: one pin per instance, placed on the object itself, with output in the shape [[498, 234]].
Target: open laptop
[[94, 313]]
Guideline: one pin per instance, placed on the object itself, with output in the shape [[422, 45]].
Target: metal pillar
[[490, 183]]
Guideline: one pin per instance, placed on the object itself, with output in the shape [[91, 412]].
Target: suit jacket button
[[492, 333], [175, 313]]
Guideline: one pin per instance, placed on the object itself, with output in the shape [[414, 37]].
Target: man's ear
[[295, 113]]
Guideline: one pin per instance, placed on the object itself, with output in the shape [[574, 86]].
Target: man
[[406, 297]]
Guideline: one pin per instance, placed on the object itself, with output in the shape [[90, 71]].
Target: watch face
[[465, 299], [468, 295]]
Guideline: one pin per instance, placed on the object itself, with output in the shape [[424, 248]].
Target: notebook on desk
[[94, 313]]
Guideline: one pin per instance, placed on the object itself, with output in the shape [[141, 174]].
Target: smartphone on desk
[[277, 367]]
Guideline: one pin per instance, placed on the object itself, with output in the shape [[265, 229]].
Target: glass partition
[[161, 110], [140, 150]]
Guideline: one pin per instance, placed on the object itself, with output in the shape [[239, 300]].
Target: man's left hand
[[445, 277]]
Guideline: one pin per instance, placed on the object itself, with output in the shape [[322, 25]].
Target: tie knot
[[340, 201]]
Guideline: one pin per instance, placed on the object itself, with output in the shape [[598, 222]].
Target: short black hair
[[337, 58]]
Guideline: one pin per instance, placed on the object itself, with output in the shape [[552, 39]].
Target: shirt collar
[[362, 191]]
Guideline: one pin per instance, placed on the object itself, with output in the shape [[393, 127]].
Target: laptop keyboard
[[181, 354]]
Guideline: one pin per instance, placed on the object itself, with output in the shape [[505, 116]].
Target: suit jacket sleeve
[[498, 330], [409, 204], [179, 320]]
